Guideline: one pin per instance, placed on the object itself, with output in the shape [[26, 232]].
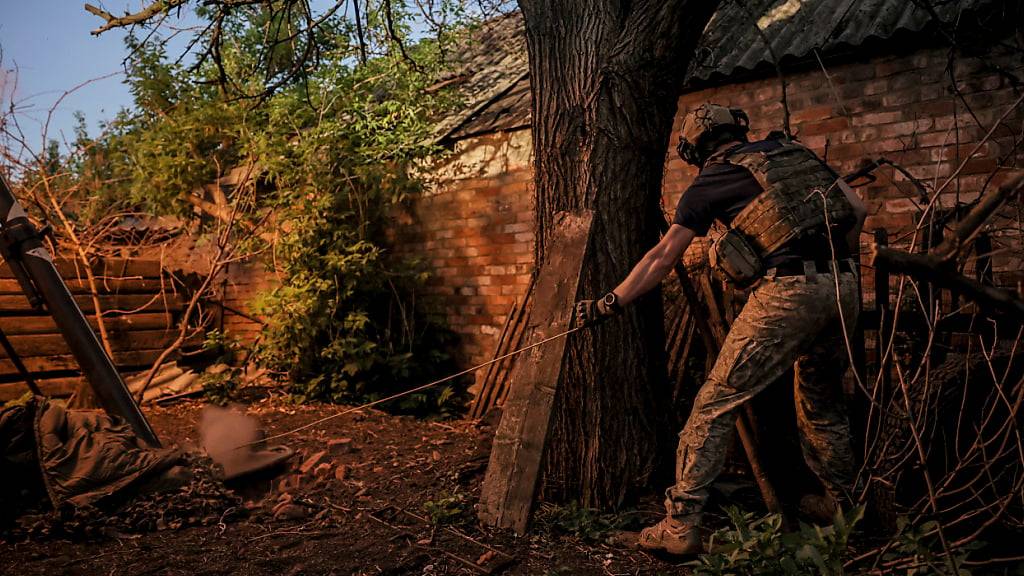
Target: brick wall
[[474, 227], [243, 282]]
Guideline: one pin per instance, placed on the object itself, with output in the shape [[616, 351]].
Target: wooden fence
[[140, 311]]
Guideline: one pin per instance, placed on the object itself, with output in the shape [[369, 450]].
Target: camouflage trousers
[[787, 321]]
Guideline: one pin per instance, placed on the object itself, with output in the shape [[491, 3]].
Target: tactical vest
[[798, 188]]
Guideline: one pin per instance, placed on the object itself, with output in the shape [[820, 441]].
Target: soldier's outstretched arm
[[655, 265], [648, 273]]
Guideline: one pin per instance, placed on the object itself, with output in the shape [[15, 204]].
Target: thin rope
[[411, 391]]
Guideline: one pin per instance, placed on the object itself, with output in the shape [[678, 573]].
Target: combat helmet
[[703, 122]]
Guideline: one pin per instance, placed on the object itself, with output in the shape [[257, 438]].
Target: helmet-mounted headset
[[703, 121]]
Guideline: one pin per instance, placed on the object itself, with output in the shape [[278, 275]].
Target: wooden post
[[859, 354], [884, 316], [510, 485], [483, 395]]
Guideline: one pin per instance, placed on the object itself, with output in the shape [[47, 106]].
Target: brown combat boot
[[672, 535]]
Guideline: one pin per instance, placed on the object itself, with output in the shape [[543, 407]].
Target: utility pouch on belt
[[734, 260]]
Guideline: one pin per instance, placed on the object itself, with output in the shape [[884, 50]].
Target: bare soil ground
[[358, 499]]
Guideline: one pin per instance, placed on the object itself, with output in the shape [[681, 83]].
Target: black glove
[[592, 312]]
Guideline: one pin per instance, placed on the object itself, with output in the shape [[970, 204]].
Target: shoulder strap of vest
[[721, 157], [791, 160]]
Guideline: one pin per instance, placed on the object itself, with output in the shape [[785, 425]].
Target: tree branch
[[139, 17], [931, 268], [938, 268], [950, 249]]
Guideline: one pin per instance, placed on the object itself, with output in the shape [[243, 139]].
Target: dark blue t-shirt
[[720, 192]]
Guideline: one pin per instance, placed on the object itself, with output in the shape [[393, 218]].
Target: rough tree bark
[[606, 76]]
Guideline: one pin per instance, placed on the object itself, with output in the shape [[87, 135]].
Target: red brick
[[898, 129], [812, 114], [902, 98], [890, 67], [877, 118], [831, 125]]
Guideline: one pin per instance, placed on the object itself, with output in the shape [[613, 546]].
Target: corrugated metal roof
[[496, 88], [734, 40]]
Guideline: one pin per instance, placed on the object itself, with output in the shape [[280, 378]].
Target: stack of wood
[[494, 389], [139, 310]]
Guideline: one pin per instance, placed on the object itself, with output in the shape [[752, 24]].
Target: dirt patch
[[364, 495]]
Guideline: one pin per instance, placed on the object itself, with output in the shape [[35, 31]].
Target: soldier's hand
[[590, 313]]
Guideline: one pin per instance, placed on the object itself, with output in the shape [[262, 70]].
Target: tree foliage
[[331, 143]]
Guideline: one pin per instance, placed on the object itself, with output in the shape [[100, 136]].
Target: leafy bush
[[449, 509], [916, 549], [347, 323], [220, 386], [333, 152], [220, 380], [581, 522], [757, 545]]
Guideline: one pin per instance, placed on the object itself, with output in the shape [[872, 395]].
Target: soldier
[[792, 226]]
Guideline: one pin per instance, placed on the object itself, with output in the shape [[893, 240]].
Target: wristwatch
[[611, 302]]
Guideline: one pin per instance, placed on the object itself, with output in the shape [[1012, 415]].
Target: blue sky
[[49, 43]]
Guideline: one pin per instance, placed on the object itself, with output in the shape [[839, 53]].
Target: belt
[[798, 268]]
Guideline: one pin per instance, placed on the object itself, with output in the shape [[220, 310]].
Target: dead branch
[[969, 227], [935, 266], [389, 22], [932, 269], [132, 19]]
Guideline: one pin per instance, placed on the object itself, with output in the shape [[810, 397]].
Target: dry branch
[[937, 266], [140, 17]]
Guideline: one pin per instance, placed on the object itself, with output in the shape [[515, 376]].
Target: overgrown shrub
[[331, 152], [448, 509], [347, 323], [758, 546], [584, 523]]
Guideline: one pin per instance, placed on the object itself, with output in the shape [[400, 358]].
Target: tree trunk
[[605, 79]]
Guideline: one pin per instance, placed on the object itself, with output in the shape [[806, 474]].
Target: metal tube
[[25, 245]]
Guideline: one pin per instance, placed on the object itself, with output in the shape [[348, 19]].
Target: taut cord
[[413, 390]]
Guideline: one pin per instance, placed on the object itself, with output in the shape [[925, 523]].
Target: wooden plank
[[507, 495], [483, 396], [53, 387], [118, 303], [66, 362], [29, 345], [133, 285], [18, 325], [113, 267]]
